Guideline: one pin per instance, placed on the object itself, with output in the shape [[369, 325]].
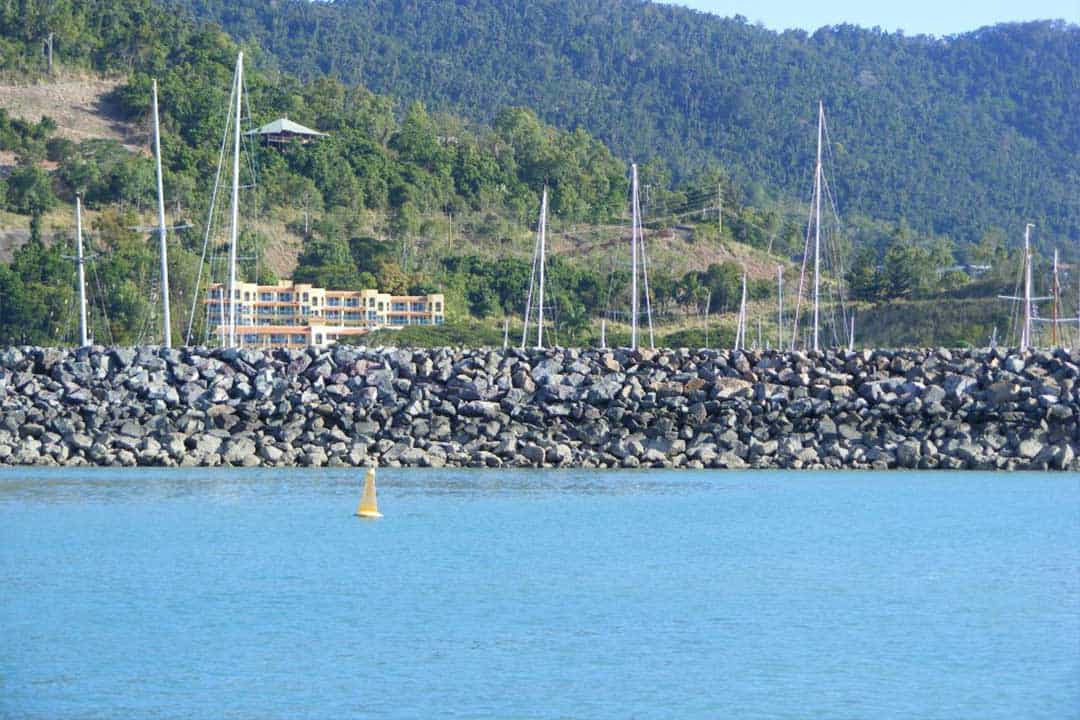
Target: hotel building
[[298, 314]]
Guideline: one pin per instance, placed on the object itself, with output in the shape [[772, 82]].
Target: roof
[[284, 125]]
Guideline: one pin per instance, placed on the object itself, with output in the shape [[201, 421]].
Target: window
[[247, 296], [333, 302], [423, 321], [318, 338], [299, 339], [285, 297], [419, 307], [278, 339], [305, 297], [371, 302], [399, 320], [352, 302], [438, 306], [266, 297], [251, 339], [372, 315], [438, 320], [352, 316], [381, 307]]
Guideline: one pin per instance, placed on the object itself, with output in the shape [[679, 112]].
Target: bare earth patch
[[80, 108]]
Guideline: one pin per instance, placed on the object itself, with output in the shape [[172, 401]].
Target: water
[[254, 594]]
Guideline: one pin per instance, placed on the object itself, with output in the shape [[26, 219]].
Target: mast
[[603, 333], [740, 328], [633, 257], [543, 241], [851, 337], [817, 219], [80, 260], [1057, 292], [1025, 333], [779, 307], [537, 274], [234, 230], [166, 323]]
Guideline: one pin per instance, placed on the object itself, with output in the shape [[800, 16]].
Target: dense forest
[[953, 135], [380, 199]]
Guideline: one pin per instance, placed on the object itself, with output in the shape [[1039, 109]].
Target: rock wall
[[564, 407]]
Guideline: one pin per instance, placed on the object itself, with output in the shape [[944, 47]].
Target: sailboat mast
[[166, 323], [740, 328], [1057, 292], [779, 307], [817, 219], [80, 260], [234, 230], [1025, 333], [633, 256], [543, 241]]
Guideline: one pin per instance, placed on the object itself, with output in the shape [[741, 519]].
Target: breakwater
[[349, 406]]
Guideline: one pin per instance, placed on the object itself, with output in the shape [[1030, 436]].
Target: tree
[[29, 191]]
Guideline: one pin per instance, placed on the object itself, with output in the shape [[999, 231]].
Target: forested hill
[[953, 135]]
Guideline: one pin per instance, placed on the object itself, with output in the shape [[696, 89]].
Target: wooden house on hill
[[281, 132]]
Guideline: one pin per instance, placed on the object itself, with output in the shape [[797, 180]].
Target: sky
[[914, 17]]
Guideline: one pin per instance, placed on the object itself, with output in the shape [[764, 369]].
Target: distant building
[[283, 131], [299, 315]]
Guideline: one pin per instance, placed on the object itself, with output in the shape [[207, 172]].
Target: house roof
[[285, 126]]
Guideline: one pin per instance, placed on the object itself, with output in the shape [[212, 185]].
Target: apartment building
[[299, 314]]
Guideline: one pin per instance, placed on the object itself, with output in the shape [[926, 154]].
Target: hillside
[[952, 135], [393, 196]]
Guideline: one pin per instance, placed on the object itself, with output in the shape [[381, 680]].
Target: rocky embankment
[[589, 408]]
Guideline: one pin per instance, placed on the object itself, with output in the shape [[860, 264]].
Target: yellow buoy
[[369, 505]]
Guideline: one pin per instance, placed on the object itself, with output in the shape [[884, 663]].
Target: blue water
[[257, 594]]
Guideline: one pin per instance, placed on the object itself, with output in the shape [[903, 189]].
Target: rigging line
[[101, 300], [528, 297], [645, 277], [209, 221]]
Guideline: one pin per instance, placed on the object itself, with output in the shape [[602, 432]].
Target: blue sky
[[914, 17]]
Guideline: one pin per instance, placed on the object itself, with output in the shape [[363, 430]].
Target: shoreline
[[564, 407]]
